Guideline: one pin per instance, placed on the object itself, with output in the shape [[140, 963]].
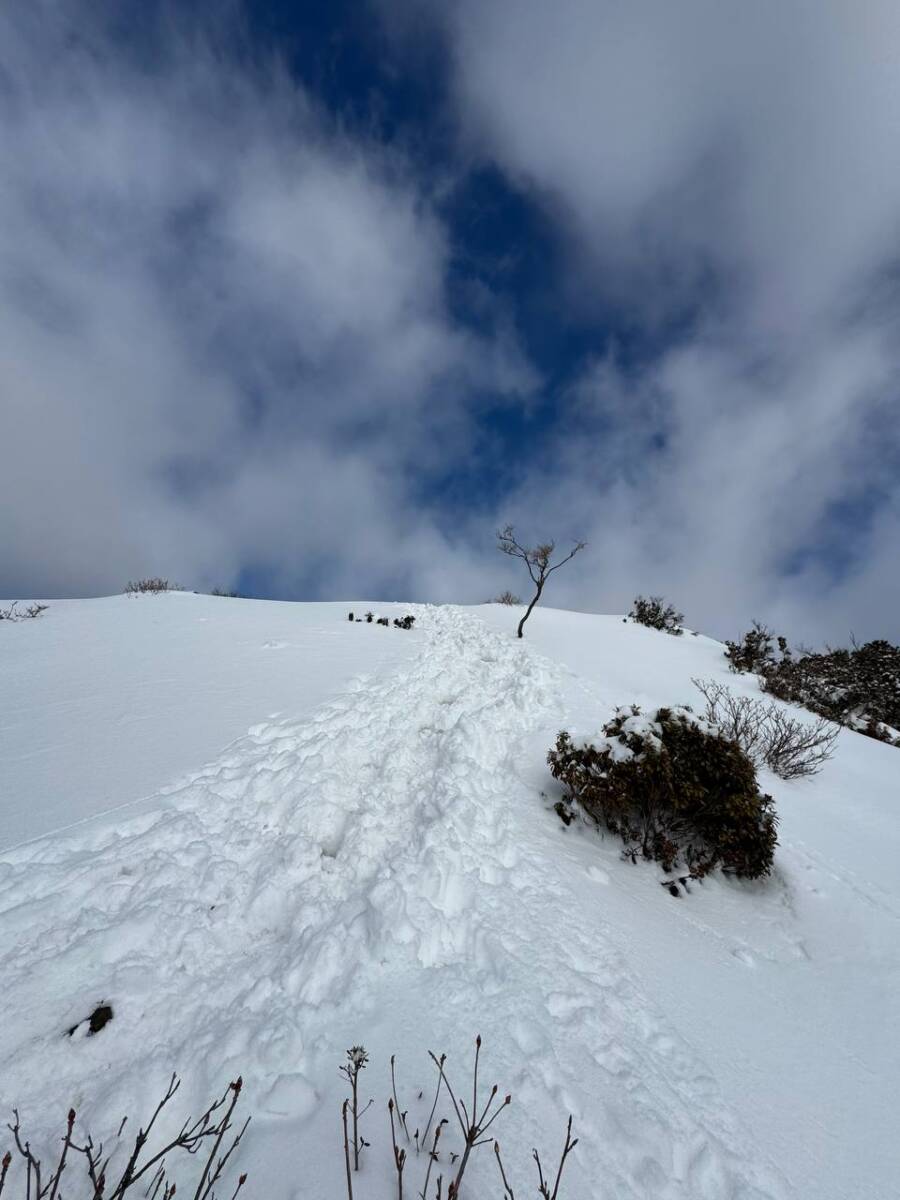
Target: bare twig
[[508, 1193], [399, 1155], [473, 1126], [767, 733], [436, 1095], [432, 1157], [12, 613], [544, 1187], [209, 1129], [400, 1114]]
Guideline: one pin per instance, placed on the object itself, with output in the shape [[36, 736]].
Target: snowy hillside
[[263, 834]]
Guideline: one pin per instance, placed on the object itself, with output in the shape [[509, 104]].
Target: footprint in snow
[[291, 1096], [598, 875], [744, 956]]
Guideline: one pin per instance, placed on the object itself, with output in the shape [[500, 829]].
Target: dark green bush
[[155, 585], [653, 612], [755, 652], [673, 789], [859, 688]]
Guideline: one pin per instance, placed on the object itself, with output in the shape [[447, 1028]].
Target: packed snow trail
[[384, 873]]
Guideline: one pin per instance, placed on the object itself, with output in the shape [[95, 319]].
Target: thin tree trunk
[[537, 596]]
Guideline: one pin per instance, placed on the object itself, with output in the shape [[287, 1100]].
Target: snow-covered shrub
[[406, 622], [14, 613], [507, 597], [135, 587], [767, 733], [673, 788], [755, 652], [859, 688], [653, 612]]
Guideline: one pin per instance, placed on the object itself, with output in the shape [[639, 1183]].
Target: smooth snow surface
[[378, 864]]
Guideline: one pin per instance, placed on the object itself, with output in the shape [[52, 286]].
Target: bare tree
[[537, 560]]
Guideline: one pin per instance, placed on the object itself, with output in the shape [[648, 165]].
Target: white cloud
[[753, 137], [727, 170], [225, 336], [223, 330]]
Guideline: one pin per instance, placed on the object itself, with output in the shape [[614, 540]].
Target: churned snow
[[369, 855]]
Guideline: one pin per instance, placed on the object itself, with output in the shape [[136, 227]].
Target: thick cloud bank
[[229, 339], [223, 334]]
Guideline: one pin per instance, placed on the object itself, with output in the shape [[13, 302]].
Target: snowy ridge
[[379, 872]]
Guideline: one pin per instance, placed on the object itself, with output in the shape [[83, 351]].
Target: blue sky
[[310, 299]]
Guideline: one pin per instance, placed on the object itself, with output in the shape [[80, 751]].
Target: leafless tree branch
[[538, 562]]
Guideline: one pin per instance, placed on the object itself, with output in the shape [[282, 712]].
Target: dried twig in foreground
[[543, 1184], [473, 1126], [208, 1130]]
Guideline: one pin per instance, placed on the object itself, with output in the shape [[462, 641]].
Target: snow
[[342, 837], [109, 700]]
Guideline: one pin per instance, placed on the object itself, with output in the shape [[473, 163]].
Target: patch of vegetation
[[767, 733], [441, 1163], [14, 613], [406, 622], [857, 687], [145, 1164], [674, 789], [199, 1154], [756, 651], [655, 613], [155, 585]]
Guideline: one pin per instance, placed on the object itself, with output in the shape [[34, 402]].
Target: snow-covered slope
[[105, 701], [377, 863]]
